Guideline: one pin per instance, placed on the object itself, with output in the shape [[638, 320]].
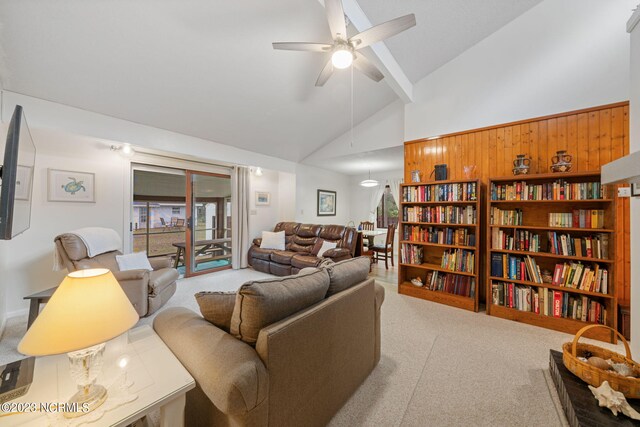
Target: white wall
[[263, 218], [634, 145], [28, 258], [561, 55], [287, 193], [309, 180]]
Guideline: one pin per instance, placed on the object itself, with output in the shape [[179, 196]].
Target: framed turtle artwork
[[70, 186]]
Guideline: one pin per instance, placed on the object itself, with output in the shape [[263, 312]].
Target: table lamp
[[88, 309]]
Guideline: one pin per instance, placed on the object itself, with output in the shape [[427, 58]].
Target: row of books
[[450, 283], [515, 240], [576, 275], [459, 192], [411, 254], [506, 217], [548, 302], [458, 260], [596, 246], [515, 267], [578, 218], [557, 190], [443, 236], [440, 214]]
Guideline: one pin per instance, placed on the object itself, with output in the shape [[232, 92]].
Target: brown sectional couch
[[298, 370], [300, 240]]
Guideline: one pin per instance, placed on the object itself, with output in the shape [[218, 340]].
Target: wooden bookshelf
[[434, 250], [535, 220]]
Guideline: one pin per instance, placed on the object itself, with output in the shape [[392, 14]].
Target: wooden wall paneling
[[543, 161], [534, 146], [552, 141], [583, 142], [594, 141], [627, 219], [572, 136]]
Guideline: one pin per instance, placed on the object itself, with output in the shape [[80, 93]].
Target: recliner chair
[[147, 290]]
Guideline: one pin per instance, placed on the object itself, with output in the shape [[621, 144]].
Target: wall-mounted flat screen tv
[[16, 174]]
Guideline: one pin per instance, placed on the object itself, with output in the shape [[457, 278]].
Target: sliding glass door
[[208, 222], [183, 214]]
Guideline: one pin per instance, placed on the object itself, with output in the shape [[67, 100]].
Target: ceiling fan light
[[342, 58], [369, 183]]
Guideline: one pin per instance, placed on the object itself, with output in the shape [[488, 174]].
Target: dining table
[[370, 236]]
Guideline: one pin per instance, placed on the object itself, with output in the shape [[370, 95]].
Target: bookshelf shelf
[[422, 205], [441, 245], [550, 286], [536, 227], [535, 216], [550, 255]]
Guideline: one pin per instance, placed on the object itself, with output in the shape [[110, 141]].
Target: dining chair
[[366, 225], [385, 252]]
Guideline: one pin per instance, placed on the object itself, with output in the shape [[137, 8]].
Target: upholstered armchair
[[147, 290]]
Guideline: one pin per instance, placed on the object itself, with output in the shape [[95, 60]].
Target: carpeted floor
[[440, 366]]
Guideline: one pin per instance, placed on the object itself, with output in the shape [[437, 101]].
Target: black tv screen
[[16, 177]]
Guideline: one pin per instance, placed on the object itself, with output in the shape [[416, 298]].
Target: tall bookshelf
[[564, 224], [440, 220]]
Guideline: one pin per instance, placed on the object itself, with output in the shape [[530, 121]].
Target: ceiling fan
[[343, 49]]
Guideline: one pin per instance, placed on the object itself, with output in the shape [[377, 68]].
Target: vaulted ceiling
[[207, 68]]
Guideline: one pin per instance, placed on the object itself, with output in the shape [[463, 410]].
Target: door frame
[[189, 249]]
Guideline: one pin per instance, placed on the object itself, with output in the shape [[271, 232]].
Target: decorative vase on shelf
[[561, 162], [521, 164]]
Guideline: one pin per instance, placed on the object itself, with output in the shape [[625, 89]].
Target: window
[[143, 215], [175, 210], [387, 212]]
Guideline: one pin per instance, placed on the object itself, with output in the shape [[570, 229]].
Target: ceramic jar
[[561, 162], [521, 164]]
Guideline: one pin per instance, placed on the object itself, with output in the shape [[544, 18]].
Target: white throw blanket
[[98, 240]]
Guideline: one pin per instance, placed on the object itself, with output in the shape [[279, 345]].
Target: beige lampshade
[[88, 308]]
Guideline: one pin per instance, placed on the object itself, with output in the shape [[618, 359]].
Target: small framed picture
[[327, 203], [263, 198], [24, 175], [635, 189], [70, 186]]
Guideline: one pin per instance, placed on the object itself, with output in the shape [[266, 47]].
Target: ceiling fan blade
[[382, 31], [335, 16], [362, 64], [326, 72], [306, 47]]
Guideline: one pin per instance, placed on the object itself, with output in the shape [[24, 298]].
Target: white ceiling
[[206, 68], [445, 28], [387, 159]]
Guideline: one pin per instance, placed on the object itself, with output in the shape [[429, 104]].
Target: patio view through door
[[183, 214], [209, 222]]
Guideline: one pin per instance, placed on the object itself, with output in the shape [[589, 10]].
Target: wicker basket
[[630, 387]]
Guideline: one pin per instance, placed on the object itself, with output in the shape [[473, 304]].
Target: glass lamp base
[[85, 401]]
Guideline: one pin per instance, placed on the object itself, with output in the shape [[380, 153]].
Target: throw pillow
[[345, 274], [134, 261], [264, 302], [217, 307], [272, 240], [325, 247]]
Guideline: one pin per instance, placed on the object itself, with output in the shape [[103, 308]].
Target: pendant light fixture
[[369, 182]]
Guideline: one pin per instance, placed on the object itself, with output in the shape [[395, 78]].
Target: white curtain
[[376, 195], [395, 189], [240, 217]]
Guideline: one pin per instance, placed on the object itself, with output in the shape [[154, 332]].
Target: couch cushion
[[73, 246], [107, 260], [134, 261], [217, 307], [161, 279], [332, 232], [345, 274], [260, 253], [282, 257], [289, 228], [303, 261], [261, 303], [308, 230], [272, 240]]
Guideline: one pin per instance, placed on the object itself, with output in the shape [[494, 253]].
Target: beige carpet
[[440, 366]]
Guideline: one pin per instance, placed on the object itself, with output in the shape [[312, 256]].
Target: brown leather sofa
[[147, 290], [299, 242]]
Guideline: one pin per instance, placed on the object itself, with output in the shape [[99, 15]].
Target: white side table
[[159, 381]]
